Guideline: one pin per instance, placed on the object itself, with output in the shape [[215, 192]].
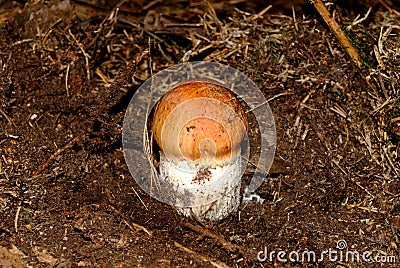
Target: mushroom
[[199, 127]]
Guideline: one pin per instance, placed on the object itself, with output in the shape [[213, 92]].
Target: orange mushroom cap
[[199, 121]]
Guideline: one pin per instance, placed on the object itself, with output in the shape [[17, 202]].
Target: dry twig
[[225, 244], [200, 256], [337, 31], [131, 225], [57, 153]]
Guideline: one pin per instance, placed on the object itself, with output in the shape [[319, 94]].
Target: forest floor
[[67, 198]]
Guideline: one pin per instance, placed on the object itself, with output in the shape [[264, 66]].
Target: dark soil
[[68, 70]]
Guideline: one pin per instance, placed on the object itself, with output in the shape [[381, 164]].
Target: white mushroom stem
[[204, 184]]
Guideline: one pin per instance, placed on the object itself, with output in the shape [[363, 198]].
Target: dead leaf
[[44, 256], [11, 257]]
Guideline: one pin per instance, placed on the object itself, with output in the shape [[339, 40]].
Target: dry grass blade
[[7, 117], [261, 13], [85, 54], [320, 135]]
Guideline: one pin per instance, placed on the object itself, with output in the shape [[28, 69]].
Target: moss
[[26, 216], [364, 45]]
